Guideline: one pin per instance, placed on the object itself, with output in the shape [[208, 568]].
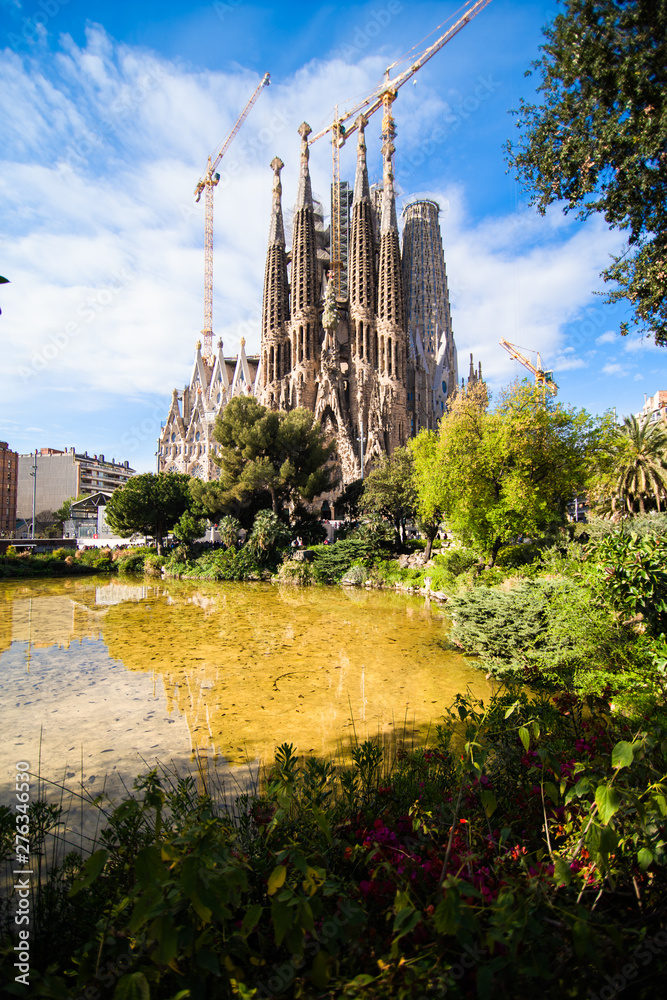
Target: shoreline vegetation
[[522, 848]]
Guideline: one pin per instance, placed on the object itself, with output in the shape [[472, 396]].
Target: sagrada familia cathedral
[[375, 363]]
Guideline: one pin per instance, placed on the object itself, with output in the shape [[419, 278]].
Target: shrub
[[456, 561], [295, 572], [355, 576], [514, 556], [507, 627], [131, 561], [332, 561], [229, 528], [153, 564], [267, 536], [633, 570]]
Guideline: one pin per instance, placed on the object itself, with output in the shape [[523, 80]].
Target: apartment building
[[9, 463]]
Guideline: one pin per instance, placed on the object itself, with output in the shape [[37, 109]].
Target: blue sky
[[109, 113]]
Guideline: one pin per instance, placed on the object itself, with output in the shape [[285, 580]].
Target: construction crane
[[207, 184], [543, 378], [382, 97]]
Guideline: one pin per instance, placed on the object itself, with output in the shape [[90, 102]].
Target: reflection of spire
[[29, 649]]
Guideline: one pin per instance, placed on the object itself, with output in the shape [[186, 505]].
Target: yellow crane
[[383, 97], [207, 183], [543, 378]]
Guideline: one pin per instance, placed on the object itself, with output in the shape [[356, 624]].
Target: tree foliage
[[389, 491], [598, 140], [189, 527], [633, 467], [429, 485], [262, 451], [150, 503], [511, 471]]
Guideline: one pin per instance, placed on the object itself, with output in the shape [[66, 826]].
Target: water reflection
[[230, 669]]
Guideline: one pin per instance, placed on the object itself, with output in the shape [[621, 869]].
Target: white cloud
[[565, 363], [607, 338], [638, 378], [502, 285], [614, 369]]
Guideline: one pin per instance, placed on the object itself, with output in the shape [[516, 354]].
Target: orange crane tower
[[543, 378], [382, 97], [207, 183]]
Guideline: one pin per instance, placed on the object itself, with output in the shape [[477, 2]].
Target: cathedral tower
[[362, 285], [276, 359], [390, 347], [431, 347], [305, 298]]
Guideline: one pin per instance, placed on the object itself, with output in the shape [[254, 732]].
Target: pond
[[102, 678]]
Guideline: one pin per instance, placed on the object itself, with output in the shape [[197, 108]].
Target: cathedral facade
[[374, 366]]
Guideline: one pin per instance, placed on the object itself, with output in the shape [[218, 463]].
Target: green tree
[[64, 512], [635, 464], [189, 527], [229, 528], [268, 534], [149, 503], [429, 483], [598, 139], [511, 471], [348, 501], [389, 491], [284, 455]]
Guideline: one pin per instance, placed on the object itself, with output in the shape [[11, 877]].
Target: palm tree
[[639, 456]]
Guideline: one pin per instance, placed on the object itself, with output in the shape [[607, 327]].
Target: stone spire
[[276, 229], [275, 349], [362, 243], [361, 188], [391, 333], [390, 283], [304, 327], [362, 284], [304, 198]]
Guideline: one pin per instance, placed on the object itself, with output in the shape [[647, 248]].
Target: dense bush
[[332, 561], [506, 627], [456, 561], [597, 528], [216, 564]]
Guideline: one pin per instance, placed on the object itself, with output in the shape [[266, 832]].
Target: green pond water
[[100, 677]]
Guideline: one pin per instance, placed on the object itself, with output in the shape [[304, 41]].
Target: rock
[[303, 555], [403, 562]]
